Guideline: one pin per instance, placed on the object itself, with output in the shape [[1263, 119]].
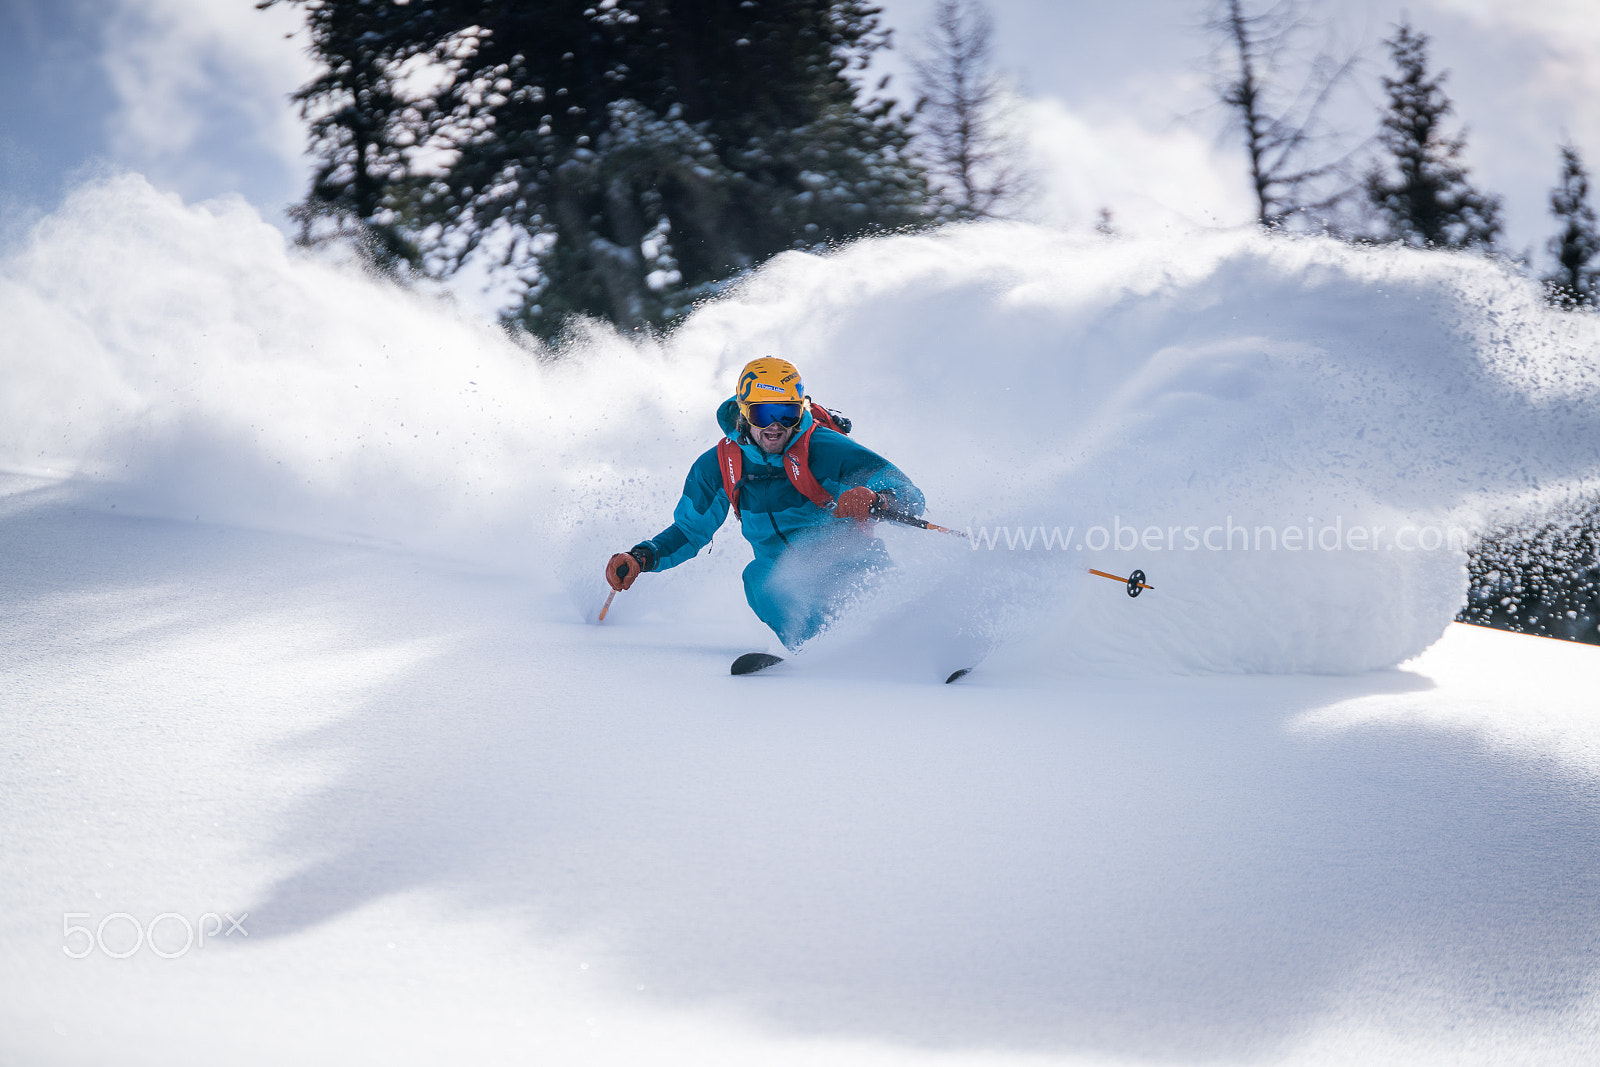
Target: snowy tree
[[361, 125], [959, 115], [624, 159], [1575, 283], [1285, 138], [1422, 197], [1540, 576]]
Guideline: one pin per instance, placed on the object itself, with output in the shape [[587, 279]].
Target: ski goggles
[[763, 415]]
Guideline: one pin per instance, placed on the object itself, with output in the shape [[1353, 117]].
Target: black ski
[[751, 662], [963, 672]]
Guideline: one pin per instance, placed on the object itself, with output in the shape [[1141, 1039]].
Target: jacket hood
[[728, 417]]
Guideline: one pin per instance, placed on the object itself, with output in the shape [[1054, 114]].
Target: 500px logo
[[119, 935]]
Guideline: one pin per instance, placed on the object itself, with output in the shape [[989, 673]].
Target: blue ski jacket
[[773, 514], [777, 520]]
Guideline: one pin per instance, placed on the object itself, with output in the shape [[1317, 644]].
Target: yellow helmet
[[769, 380]]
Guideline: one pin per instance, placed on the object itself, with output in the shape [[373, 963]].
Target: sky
[[1113, 99], [1121, 113]]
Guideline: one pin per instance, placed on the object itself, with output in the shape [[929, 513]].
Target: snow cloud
[[1150, 175], [1193, 383]]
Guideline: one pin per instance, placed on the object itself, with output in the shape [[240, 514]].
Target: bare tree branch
[[960, 116], [1282, 129]]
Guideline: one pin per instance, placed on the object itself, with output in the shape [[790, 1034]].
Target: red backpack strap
[[730, 461], [797, 465]]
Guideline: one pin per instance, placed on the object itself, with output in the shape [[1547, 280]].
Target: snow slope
[[462, 832], [299, 571]]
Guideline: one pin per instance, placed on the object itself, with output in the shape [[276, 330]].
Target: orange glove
[[622, 569], [856, 504]]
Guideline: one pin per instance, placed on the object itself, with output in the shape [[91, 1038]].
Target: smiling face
[[772, 439]]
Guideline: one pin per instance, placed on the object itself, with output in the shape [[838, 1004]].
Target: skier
[[804, 494]]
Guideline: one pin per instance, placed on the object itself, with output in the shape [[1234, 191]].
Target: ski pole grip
[[884, 512]]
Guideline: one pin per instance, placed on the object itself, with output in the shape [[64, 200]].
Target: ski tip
[[751, 662], [962, 673]]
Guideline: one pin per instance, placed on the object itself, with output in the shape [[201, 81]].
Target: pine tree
[[1540, 576], [1575, 284], [1425, 200], [359, 126], [625, 159]]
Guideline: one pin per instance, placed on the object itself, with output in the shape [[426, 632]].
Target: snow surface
[[299, 579]]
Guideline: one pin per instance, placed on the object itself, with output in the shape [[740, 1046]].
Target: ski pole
[[621, 571], [910, 520], [1134, 581]]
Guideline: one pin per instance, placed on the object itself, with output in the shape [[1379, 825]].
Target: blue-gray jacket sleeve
[[840, 463], [698, 516]]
